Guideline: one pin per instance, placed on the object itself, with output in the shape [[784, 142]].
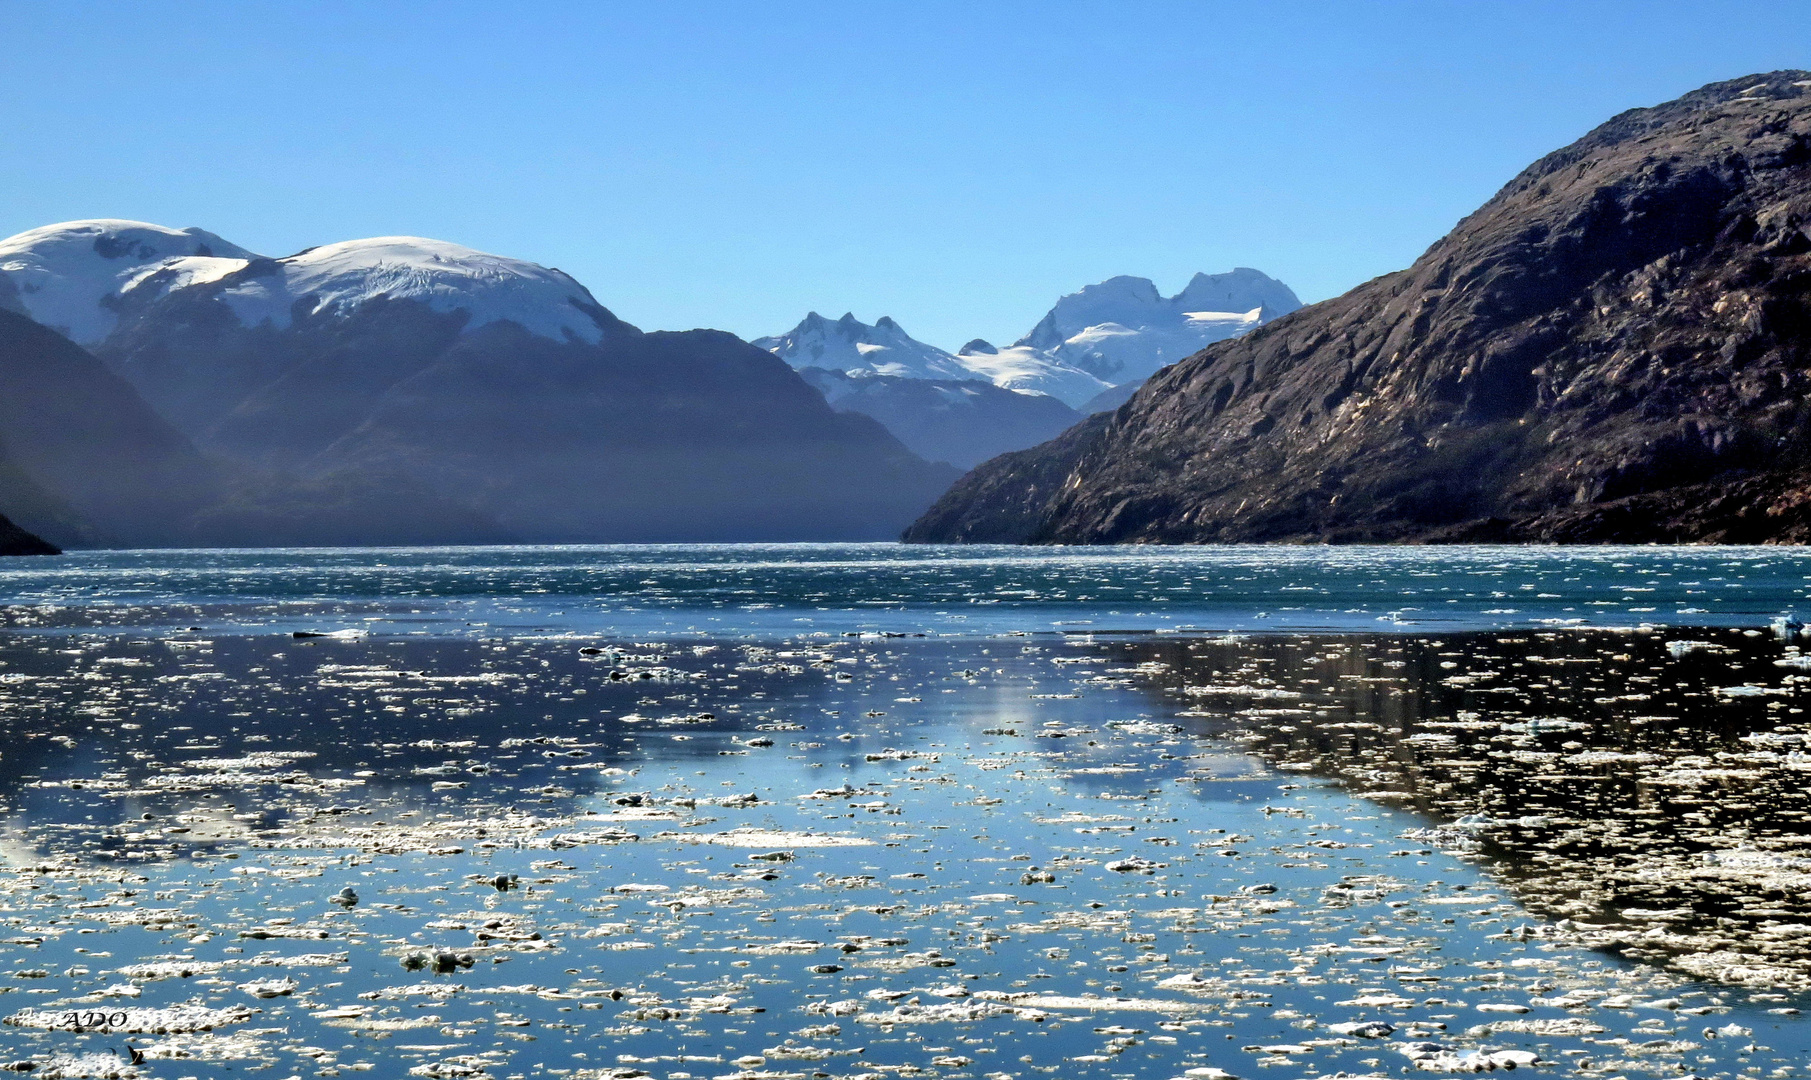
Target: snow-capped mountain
[[1123, 330], [493, 385], [78, 276], [338, 278], [854, 347], [68, 277], [1115, 332]]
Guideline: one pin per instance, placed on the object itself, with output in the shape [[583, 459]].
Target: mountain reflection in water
[[1647, 790]]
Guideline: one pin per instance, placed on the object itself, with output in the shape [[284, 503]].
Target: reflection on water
[[1647, 790], [828, 856]]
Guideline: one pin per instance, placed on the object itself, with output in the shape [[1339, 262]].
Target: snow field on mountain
[[70, 277]]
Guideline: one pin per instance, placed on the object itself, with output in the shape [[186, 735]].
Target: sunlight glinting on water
[[848, 812]]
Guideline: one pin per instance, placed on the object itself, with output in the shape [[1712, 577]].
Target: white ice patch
[[1023, 368], [763, 838], [447, 277]]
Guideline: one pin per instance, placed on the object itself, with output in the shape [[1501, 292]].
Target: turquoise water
[[689, 812], [769, 589]]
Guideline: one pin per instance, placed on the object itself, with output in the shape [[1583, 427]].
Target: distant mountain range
[[1119, 331], [1615, 347], [1088, 354], [171, 387], [1123, 330], [401, 390]]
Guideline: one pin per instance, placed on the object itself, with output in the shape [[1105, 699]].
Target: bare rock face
[[1616, 347]]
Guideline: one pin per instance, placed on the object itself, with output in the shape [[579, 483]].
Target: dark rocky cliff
[[1616, 347]]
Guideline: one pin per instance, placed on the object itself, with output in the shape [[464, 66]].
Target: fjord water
[[785, 589], [864, 810]]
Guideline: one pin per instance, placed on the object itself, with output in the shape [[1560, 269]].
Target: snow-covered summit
[[852, 346], [446, 277], [1117, 331], [855, 348], [1241, 289], [63, 275], [71, 277], [1123, 329]]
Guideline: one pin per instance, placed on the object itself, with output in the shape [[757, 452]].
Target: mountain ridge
[[431, 375], [1627, 317], [1101, 336]]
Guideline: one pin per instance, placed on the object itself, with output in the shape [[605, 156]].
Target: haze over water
[[825, 811]]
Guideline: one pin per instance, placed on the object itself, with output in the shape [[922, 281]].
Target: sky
[[957, 166]]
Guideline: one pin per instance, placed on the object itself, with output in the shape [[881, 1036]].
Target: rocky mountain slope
[[86, 461], [438, 375], [1617, 346], [959, 421]]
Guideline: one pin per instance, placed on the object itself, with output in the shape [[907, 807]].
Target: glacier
[[66, 276], [75, 276]]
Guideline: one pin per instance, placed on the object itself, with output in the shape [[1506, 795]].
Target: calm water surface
[[866, 811]]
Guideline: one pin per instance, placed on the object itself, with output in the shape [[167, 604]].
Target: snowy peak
[[1123, 329], [852, 346], [72, 277], [447, 277], [64, 276], [1113, 332], [1241, 290]]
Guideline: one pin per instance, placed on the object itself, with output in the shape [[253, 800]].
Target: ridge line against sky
[[955, 166]]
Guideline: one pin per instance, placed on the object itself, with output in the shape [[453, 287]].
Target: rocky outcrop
[[1617, 346]]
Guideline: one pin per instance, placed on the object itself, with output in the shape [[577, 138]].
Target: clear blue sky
[[955, 165]]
